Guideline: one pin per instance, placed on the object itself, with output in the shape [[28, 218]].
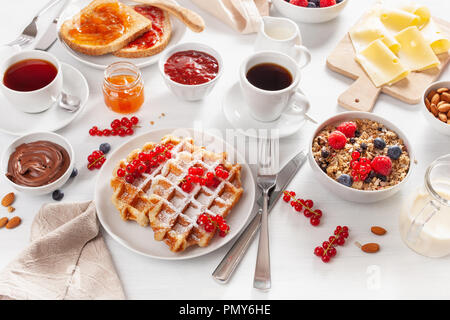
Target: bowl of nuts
[[436, 101], [360, 156]]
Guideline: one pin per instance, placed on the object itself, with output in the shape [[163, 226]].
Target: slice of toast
[[160, 22], [99, 17]]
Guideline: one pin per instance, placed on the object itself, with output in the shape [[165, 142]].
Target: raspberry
[[347, 128], [382, 165], [301, 3], [337, 140], [327, 3]]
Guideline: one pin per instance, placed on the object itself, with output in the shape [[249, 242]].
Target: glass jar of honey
[[123, 87]]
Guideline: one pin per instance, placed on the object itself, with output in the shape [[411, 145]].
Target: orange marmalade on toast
[[154, 35], [101, 25]]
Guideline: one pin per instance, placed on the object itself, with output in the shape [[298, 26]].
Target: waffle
[[156, 198]]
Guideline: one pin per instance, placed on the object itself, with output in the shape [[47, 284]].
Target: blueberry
[[345, 179], [379, 143], [363, 146], [368, 179], [105, 147], [394, 152], [380, 129], [311, 5], [316, 2], [357, 133], [352, 140], [325, 153], [381, 177], [324, 166], [339, 1], [74, 173], [57, 195]]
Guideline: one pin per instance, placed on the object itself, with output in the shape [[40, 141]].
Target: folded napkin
[[66, 259], [242, 15]]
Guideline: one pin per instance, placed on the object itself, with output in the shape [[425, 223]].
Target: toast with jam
[[104, 26], [153, 41]]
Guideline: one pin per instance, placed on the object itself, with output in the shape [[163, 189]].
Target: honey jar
[[123, 87]]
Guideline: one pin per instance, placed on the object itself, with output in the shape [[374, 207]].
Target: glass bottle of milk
[[425, 219]]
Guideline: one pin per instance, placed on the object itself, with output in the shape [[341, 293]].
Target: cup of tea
[[269, 82], [31, 80]]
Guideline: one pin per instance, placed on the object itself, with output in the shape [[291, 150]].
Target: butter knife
[[50, 35], [229, 263]]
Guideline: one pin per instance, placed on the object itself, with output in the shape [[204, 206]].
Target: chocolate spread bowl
[[46, 162]]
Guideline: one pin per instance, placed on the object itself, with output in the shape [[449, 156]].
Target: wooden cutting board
[[362, 94]]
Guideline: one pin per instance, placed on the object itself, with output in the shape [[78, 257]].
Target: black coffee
[[269, 76]]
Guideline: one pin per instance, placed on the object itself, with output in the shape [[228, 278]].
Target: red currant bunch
[[210, 223], [145, 162], [119, 127], [361, 167], [303, 205], [221, 172], [95, 160], [328, 248], [196, 175]]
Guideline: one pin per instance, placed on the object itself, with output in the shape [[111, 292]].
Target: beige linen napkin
[[242, 15], [66, 259]]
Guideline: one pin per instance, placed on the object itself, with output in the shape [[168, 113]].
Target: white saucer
[[238, 115], [16, 122]]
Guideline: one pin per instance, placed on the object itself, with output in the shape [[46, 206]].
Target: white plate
[[140, 239], [16, 122], [237, 114], [101, 62]]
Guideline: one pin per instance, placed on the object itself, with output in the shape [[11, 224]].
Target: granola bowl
[[366, 165]]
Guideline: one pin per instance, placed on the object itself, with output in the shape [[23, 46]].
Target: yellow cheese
[[371, 29], [397, 19], [421, 11], [415, 53], [381, 64], [435, 38]]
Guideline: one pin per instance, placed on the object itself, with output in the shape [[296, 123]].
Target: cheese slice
[[396, 19], [435, 38], [381, 64], [421, 11], [415, 53], [371, 29]]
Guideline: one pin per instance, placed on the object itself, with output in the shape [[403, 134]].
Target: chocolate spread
[[37, 163]]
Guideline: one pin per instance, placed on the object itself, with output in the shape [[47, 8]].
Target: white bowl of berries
[[360, 156], [310, 11]]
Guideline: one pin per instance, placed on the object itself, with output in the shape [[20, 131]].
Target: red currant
[[326, 258], [314, 221], [121, 132], [318, 251], [129, 178], [286, 198], [186, 187], [209, 228], [340, 241], [92, 132], [106, 132], [309, 203], [115, 124], [120, 173], [129, 132], [134, 120], [331, 252], [307, 213]]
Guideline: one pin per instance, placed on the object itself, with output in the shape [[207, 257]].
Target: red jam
[[191, 67], [151, 37]]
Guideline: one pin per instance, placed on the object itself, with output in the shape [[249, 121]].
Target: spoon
[[68, 102]]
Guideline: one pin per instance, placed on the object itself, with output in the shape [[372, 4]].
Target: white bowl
[[184, 91], [347, 193], [309, 15], [437, 124], [36, 136]]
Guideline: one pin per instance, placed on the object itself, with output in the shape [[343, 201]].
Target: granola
[[337, 162]]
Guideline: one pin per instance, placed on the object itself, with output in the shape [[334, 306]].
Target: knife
[[50, 35], [226, 267]]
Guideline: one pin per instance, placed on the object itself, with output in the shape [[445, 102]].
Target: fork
[[266, 180], [29, 33]]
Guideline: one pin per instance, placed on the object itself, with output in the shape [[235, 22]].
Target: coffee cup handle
[[303, 51], [299, 104]]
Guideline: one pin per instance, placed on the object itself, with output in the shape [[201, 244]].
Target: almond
[[11, 209], [3, 222], [434, 110], [445, 96], [8, 199], [427, 104], [14, 222], [445, 107], [443, 117], [440, 90], [370, 247], [379, 231], [431, 94], [436, 98]]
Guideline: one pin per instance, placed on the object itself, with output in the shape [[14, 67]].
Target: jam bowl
[[54, 140], [191, 70]]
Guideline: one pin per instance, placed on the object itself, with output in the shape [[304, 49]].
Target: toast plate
[[140, 239], [101, 62], [16, 122]]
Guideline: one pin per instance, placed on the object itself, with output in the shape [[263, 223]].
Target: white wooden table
[[394, 272]]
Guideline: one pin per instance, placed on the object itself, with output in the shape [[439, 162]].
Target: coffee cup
[[283, 35], [36, 100], [267, 103]]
